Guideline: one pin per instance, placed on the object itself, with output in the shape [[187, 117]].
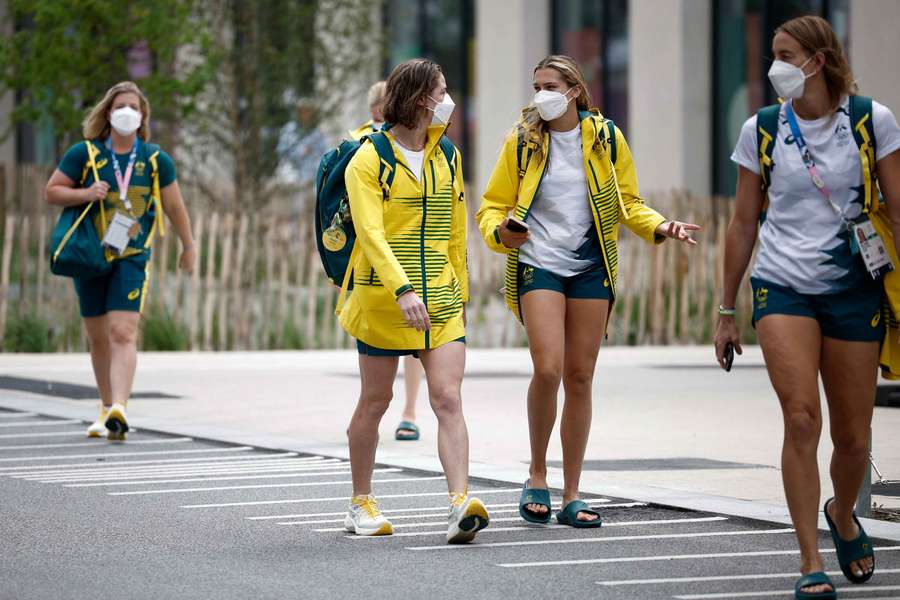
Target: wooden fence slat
[[8, 233], [225, 273], [194, 293], [210, 287]]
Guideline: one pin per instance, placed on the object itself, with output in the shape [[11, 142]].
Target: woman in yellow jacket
[[410, 283], [568, 185]]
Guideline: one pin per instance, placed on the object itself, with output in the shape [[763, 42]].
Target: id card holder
[[119, 233], [871, 249]]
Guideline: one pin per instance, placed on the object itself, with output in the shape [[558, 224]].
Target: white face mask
[[125, 120], [442, 110], [551, 105], [787, 79]]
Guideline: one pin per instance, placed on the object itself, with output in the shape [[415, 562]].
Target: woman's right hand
[[510, 238], [414, 311], [727, 332], [97, 191]]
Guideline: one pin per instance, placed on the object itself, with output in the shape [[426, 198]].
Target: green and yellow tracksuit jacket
[[415, 239], [613, 198]]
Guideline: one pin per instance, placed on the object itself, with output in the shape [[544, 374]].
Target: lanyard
[[126, 180], [814, 174]]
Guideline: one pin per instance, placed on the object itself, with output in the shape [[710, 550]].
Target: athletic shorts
[[591, 284], [852, 316], [364, 348], [123, 288]]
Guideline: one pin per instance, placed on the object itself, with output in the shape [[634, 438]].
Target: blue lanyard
[[123, 181], [809, 162]]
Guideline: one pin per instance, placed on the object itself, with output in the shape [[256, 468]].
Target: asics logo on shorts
[[133, 294], [876, 319]]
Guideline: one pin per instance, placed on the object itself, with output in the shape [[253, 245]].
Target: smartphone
[[729, 356], [513, 224]]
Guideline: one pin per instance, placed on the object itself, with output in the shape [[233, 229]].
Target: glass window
[[442, 30], [596, 35], [742, 40]]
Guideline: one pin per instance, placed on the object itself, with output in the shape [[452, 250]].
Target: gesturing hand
[[414, 311], [678, 230]]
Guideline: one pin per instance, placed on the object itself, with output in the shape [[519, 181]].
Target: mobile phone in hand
[[729, 356], [513, 224]]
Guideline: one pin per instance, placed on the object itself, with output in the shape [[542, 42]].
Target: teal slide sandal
[[403, 432], [851, 551], [811, 579], [569, 515], [534, 496]]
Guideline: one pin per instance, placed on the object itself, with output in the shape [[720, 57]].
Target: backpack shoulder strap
[[766, 134], [388, 162], [524, 150], [864, 134], [611, 140], [159, 222], [450, 153]]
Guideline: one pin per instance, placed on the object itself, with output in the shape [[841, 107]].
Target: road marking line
[[282, 463], [840, 590], [100, 469], [9, 436], [790, 575], [619, 538], [161, 462], [495, 508], [625, 559], [41, 423], [5, 415], [345, 498], [110, 455], [531, 527], [236, 477], [83, 444], [390, 510], [273, 485]]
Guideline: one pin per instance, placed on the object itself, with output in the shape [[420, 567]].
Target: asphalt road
[[170, 517]]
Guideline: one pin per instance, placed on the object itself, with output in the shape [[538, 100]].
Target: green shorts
[[591, 284], [123, 288], [852, 316], [364, 348]]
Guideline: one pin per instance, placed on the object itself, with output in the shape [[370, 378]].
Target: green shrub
[[162, 333], [27, 334]]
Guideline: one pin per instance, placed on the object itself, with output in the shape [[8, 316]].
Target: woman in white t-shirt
[[816, 307], [566, 175]]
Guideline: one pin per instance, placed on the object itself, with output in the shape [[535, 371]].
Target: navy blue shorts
[[852, 316], [364, 348], [591, 284]]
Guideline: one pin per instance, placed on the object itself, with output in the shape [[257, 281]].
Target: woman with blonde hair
[[134, 180], [808, 177], [566, 175]]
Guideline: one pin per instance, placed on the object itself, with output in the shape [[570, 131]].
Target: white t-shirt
[[563, 238], [803, 244], [415, 159]]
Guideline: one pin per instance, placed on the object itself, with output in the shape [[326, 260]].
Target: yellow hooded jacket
[[613, 198], [416, 239]]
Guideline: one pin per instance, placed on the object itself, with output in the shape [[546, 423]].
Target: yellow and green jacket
[[364, 129], [613, 198], [415, 239]]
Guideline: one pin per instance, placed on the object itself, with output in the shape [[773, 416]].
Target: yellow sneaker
[[98, 427], [365, 518], [116, 423], [467, 517]]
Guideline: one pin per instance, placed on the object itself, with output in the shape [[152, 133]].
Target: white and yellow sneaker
[[98, 427], [116, 423], [467, 517], [365, 518]]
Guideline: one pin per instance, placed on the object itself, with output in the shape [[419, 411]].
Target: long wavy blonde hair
[[96, 125], [531, 124]]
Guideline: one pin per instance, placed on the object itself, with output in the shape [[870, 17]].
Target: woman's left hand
[[188, 258], [678, 230]]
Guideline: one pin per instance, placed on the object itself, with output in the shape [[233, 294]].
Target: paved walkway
[[668, 425]]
